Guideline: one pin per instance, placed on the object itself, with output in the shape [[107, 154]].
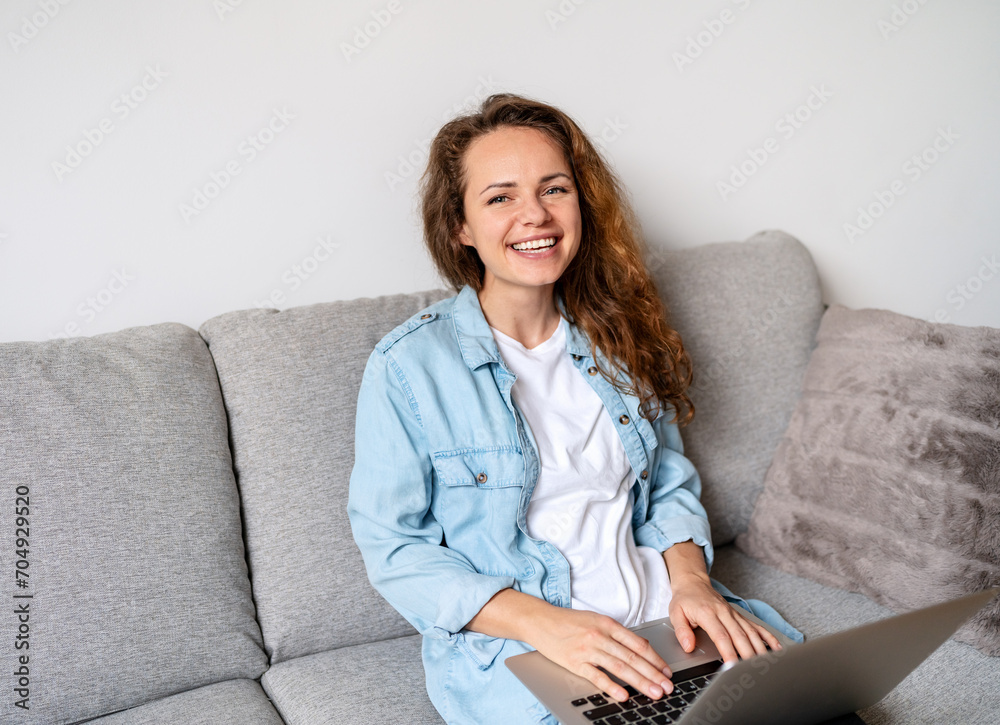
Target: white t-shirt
[[582, 502]]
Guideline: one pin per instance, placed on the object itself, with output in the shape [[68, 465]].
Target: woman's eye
[[496, 199], [556, 190]]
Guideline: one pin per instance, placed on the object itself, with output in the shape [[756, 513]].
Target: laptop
[[824, 679]]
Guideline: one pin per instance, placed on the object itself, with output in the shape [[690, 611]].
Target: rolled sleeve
[[675, 512], [462, 599], [436, 589]]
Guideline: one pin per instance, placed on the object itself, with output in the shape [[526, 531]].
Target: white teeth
[[537, 244]]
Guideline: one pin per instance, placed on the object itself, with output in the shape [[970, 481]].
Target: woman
[[519, 481]]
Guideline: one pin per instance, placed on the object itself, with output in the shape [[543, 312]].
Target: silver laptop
[[814, 682]]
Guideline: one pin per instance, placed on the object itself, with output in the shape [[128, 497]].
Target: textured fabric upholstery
[[748, 313], [886, 481], [290, 382], [367, 684], [136, 562], [235, 702], [141, 609]]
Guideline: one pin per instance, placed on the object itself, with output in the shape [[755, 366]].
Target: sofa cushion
[[956, 684], [748, 313], [235, 702], [290, 382], [115, 459], [887, 481], [381, 682]]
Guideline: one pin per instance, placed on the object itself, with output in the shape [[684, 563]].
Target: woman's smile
[[522, 211], [535, 246]]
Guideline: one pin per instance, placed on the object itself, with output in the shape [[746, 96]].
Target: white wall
[[102, 241]]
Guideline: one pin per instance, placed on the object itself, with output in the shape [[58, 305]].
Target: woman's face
[[522, 210]]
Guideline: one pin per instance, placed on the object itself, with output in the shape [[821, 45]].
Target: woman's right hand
[[580, 641]]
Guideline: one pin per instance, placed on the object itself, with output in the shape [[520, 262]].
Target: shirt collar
[[476, 339], [474, 336]]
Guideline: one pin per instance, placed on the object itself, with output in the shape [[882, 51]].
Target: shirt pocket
[[483, 468], [476, 502]]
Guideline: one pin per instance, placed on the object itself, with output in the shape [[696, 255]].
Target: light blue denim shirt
[[444, 469]]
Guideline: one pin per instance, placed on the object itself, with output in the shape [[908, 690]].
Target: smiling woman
[[606, 290], [519, 479], [522, 216]]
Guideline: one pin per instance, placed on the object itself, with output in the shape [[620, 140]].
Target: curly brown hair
[[606, 290]]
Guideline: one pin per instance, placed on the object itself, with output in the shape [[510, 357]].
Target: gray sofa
[[174, 546]]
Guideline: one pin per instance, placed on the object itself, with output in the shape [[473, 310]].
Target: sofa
[[174, 544]]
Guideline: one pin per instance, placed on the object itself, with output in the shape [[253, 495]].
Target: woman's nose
[[533, 211]]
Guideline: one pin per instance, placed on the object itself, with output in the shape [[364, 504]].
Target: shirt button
[[425, 317], [644, 475], [623, 420], [481, 478], [578, 357], [592, 370]]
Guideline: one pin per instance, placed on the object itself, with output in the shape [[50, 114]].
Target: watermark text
[[31, 26], [913, 169], [961, 294], [787, 126], [900, 16], [121, 108], [365, 34], [247, 152], [296, 275]]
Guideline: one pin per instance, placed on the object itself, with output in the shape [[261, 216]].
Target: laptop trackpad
[[661, 635]]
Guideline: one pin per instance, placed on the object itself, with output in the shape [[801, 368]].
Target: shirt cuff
[[462, 599], [662, 535]]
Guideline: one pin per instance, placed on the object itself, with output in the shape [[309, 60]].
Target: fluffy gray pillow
[[887, 481]]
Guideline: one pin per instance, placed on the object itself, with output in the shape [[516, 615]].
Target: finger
[[722, 637], [683, 630], [723, 642], [601, 680], [643, 648], [748, 637], [636, 670], [620, 668], [750, 643], [769, 638], [762, 639], [754, 639]]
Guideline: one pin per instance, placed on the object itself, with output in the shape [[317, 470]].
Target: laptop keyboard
[[601, 710]]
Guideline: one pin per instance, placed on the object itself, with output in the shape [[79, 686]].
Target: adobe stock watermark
[[247, 151], [297, 274], [961, 294], [225, 7], [757, 327], [557, 526], [724, 698], [365, 34], [788, 125], [701, 41], [562, 12], [32, 25], [414, 160], [900, 16], [914, 169], [609, 133], [94, 304], [120, 109]]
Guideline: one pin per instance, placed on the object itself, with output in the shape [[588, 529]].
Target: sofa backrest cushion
[[123, 570], [748, 314], [747, 311], [290, 382]]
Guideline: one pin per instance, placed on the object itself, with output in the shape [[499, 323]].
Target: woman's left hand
[[694, 603]]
